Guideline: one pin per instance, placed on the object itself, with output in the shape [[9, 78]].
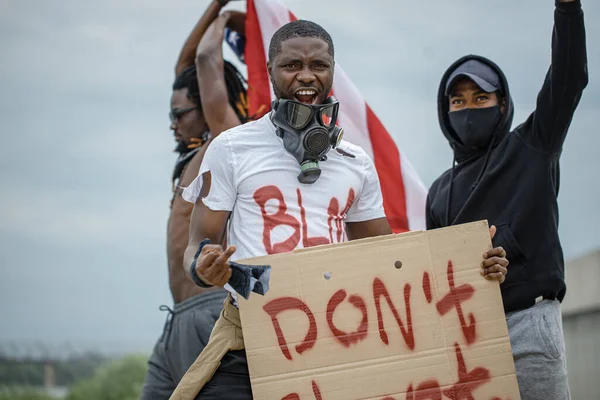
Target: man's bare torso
[[178, 228]]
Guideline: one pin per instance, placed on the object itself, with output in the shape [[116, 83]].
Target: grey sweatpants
[[538, 345], [185, 334]]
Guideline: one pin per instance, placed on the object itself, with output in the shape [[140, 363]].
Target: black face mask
[[475, 126], [308, 132]]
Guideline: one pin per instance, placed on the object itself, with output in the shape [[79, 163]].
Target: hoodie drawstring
[[481, 172], [485, 163], [449, 199], [168, 324]]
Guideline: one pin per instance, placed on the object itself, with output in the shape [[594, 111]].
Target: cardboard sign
[[399, 317]]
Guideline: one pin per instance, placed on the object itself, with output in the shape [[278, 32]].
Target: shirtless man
[[208, 98]]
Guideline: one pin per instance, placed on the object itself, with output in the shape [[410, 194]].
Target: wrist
[[222, 3], [195, 277]]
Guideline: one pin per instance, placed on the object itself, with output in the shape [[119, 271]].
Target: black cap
[[482, 74]]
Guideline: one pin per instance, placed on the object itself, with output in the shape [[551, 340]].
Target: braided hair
[[236, 87], [234, 81], [237, 91]]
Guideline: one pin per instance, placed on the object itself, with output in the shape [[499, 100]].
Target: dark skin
[[211, 266], [180, 283], [303, 71], [235, 21], [190, 125], [494, 262], [214, 114], [303, 65], [219, 114], [466, 94], [204, 49]]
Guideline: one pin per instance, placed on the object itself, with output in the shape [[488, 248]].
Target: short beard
[[276, 90], [182, 147]]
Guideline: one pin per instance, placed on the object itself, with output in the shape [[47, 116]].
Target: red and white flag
[[403, 192]]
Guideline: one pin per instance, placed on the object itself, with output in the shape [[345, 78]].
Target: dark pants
[[221, 370], [231, 381], [185, 335]]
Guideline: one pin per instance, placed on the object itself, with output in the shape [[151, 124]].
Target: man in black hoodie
[[511, 178]]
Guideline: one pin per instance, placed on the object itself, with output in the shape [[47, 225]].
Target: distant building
[[581, 324]]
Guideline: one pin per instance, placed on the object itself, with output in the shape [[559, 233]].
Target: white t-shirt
[[254, 177]]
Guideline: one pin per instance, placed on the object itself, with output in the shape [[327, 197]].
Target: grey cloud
[[86, 151]]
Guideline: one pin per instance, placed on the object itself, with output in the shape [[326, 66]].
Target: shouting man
[[259, 180]]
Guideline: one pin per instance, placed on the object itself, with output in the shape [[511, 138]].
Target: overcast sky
[[86, 149]]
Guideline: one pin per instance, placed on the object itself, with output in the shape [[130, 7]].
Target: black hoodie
[[514, 182]]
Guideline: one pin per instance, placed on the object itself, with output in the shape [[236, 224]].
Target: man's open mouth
[[306, 96]]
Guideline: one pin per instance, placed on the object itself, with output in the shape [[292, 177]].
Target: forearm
[[188, 256], [191, 253], [219, 113], [569, 56], [211, 80], [188, 52], [568, 74], [216, 107], [566, 78], [366, 229], [204, 224]]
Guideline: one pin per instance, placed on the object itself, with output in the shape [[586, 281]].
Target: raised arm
[[565, 80], [210, 68], [188, 52]]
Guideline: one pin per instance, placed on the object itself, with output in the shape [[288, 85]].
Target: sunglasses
[[177, 113]]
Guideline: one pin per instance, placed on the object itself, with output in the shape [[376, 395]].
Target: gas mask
[[308, 132], [475, 126]]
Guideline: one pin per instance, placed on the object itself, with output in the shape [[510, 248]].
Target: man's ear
[[270, 71]]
